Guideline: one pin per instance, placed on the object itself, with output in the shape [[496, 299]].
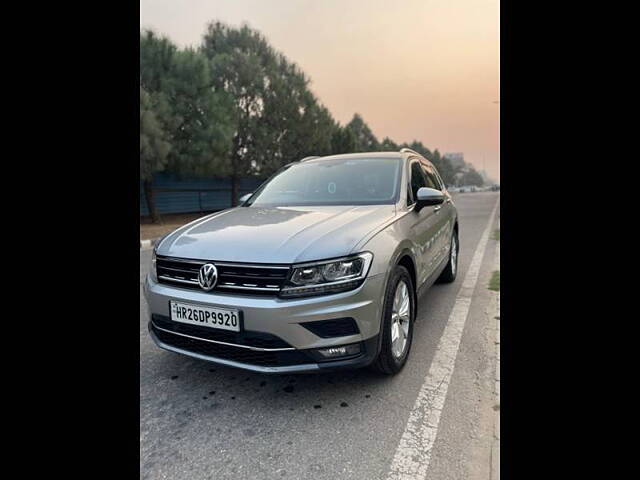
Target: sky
[[414, 69]]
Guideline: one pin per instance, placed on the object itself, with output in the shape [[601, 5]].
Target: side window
[[439, 179], [417, 182], [432, 178]]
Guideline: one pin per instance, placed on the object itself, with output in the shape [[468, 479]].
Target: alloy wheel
[[400, 319], [454, 254]]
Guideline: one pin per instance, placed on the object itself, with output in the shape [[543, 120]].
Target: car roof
[[354, 156]]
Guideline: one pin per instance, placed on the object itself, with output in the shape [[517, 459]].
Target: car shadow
[[185, 381]]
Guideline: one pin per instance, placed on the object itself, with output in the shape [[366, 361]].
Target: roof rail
[[408, 150], [310, 158]]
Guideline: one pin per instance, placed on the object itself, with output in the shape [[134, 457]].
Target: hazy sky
[[414, 69]]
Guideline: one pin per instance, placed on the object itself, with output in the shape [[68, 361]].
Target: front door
[[444, 216], [424, 225]]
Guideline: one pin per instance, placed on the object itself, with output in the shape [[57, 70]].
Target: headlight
[[152, 268], [328, 276]]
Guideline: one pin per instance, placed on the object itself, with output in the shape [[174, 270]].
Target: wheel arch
[[406, 258]]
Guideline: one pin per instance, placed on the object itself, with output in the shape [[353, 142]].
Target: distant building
[[485, 176], [456, 159]]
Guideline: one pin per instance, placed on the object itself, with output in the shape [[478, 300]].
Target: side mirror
[[429, 196], [244, 198]]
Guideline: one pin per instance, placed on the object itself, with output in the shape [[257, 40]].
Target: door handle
[[437, 209]]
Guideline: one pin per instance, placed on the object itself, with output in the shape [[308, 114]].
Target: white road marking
[[413, 454], [495, 448]]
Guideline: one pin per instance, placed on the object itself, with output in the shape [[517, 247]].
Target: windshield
[[360, 181]]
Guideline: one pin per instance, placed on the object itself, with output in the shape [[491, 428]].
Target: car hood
[[275, 235]]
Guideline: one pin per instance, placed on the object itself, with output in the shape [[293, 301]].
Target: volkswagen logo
[[208, 276]]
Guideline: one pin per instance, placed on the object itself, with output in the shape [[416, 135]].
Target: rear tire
[[397, 323], [449, 273]]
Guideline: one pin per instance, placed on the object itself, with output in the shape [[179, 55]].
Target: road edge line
[[495, 445]]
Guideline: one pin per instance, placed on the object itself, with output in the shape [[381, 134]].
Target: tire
[[449, 273], [388, 361]]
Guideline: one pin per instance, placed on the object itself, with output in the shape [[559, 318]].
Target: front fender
[[388, 246]]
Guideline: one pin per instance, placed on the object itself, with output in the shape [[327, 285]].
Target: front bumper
[[272, 317], [368, 355]]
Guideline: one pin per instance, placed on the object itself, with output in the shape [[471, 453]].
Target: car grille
[[232, 277], [237, 354], [246, 337]]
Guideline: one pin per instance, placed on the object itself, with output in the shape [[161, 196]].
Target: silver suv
[[318, 269]]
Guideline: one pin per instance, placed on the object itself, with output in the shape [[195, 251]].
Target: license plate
[[222, 318]]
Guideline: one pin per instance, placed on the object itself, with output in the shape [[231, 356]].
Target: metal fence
[[187, 195]]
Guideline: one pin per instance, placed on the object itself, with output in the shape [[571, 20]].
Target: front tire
[[397, 325]]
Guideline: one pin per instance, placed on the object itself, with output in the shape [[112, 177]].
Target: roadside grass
[[496, 235], [494, 283]]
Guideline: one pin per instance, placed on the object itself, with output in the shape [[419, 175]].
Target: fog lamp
[[346, 350]]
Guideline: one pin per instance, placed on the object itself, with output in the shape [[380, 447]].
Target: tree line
[[235, 107]]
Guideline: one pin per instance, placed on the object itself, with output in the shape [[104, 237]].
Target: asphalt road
[[203, 421]]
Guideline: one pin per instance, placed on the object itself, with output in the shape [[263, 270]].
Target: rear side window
[[417, 182]]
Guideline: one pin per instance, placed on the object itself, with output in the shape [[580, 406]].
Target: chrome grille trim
[[240, 287], [246, 265], [256, 349], [179, 280]]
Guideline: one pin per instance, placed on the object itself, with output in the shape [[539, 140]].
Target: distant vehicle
[[495, 188], [469, 188]]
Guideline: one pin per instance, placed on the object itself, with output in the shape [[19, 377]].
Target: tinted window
[[432, 178], [441, 185], [417, 182], [361, 181]]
